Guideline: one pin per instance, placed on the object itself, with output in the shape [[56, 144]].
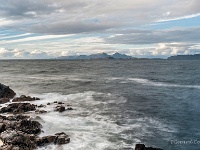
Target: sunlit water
[[117, 103]]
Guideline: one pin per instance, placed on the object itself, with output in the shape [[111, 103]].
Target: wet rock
[[23, 98], [18, 108], [2, 127], [17, 140], [16, 117], [21, 133], [6, 92], [60, 103], [60, 108], [61, 138], [45, 140], [139, 147], [143, 147], [41, 106], [58, 138], [40, 111], [4, 100], [70, 108], [30, 127]]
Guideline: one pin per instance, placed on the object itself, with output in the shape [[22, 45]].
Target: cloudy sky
[[140, 28]]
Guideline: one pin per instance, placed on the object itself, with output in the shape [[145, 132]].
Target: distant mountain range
[[123, 56], [98, 56], [185, 57]]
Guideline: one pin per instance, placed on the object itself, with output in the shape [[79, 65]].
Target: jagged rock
[[70, 108], [23, 98], [6, 92], [61, 138], [18, 108], [143, 147], [17, 139], [45, 140], [4, 100], [30, 127], [58, 138], [16, 117], [60, 108]]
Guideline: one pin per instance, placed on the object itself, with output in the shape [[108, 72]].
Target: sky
[[31, 29]]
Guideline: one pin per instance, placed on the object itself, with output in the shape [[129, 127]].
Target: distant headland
[[124, 57], [185, 57], [100, 56]]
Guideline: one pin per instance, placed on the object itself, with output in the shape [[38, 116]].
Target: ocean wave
[[85, 125], [153, 83]]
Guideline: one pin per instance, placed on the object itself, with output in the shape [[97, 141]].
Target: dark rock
[[4, 100], [23, 98], [61, 138], [16, 118], [40, 111], [41, 106], [18, 108], [17, 139], [6, 92], [48, 104], [30, 127], [2, 127], [60, 108], [60, 103], [139, 147], [20, 133], [45, 140], [143, 147], [70, 108], [55, 102]]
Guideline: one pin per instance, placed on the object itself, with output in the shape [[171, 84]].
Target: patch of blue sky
[[16, 36]]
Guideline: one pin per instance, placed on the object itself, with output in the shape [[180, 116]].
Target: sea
[[116, 103]]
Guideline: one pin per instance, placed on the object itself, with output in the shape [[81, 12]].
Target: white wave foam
[[152, 83], [147, 126], [85, 126]]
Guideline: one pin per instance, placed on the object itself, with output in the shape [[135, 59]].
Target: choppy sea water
[[117, 103]]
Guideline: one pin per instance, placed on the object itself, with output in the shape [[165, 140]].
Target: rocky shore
[[20, 131]]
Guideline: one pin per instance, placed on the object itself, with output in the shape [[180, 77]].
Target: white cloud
[[61, 17], [163, 50], [179, 18], [35, 38]]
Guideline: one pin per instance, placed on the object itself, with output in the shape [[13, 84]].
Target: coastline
[[17, 123]]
